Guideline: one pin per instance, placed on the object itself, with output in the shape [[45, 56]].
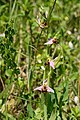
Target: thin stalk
[[44, 105], [28, 62], [10, 6], [29, 58], [51, 10], [48, 21], [44, 76], [19, 54], [49, 16], [13, 9], [45, 112], [3, 86], [49, 75], [6, 108], [79, 83]]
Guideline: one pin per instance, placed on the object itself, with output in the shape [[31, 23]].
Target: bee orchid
[[44, 88], [41, 24], [50, 41], [50, 63]]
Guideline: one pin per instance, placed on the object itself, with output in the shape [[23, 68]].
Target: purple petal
[[52, 64], [49, 89], [38, 19], [49, 42], [39, 88]]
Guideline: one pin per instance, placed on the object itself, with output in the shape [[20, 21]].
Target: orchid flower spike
[[44, 87], [50, 41]]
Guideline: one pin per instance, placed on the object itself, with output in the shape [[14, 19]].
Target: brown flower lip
[[43, 25], [54, 40]]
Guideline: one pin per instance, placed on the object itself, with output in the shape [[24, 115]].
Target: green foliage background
[[23, 55]]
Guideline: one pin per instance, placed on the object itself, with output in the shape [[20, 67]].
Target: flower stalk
[[79, 83]]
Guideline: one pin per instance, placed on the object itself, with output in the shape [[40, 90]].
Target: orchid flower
[[42, 25], [52, 64], [50, 41], [44, 88]]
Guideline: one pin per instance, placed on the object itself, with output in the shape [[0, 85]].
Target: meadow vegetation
[[39, 60]]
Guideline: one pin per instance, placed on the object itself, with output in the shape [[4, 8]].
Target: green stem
[[12, 10], [29, 58], [44, 76], [48, 22], [79, 83], [45, 112], [49, 16], [49, 74], [44, 105], [51, 10]]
